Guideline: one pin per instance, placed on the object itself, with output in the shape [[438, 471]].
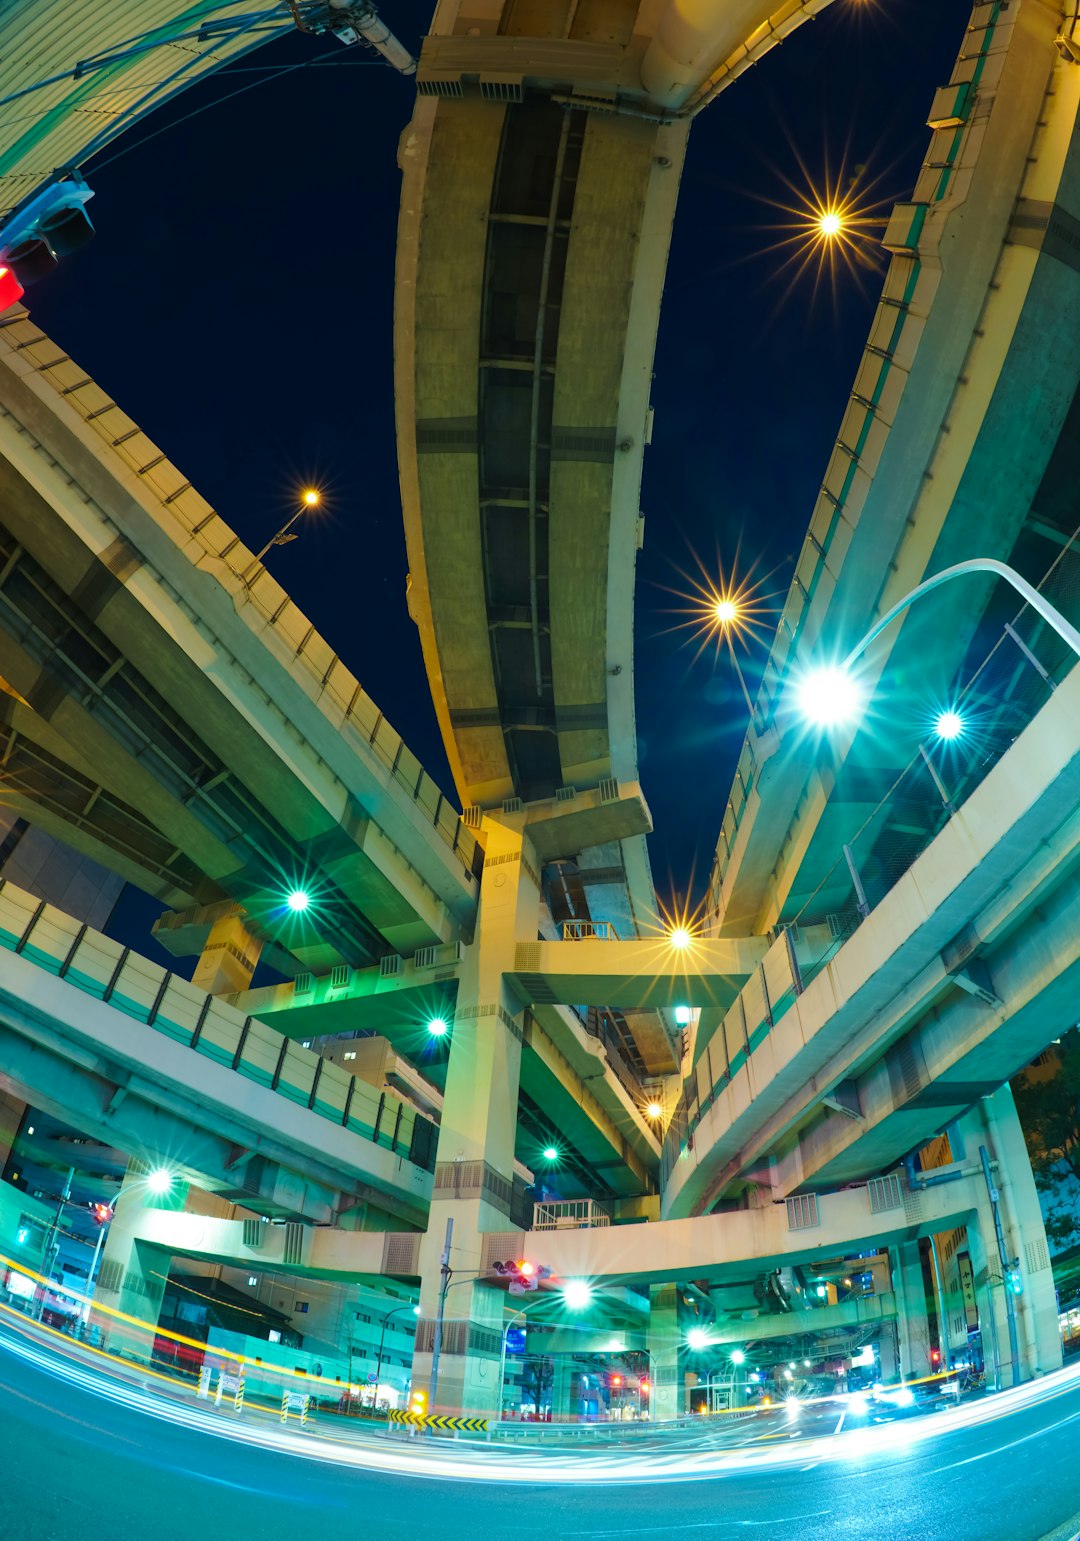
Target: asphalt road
[[77, 1465]]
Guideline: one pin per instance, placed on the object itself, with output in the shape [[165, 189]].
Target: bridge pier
[[229, 957], [474, 1168], [994, 1125], [667, 1399], [913, 1318]]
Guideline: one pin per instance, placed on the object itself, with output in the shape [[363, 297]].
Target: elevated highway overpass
[[959, 439], [147, 1062], [717, 1249], [840, 1059], [169, 711]]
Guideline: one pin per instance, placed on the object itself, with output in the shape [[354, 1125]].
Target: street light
[[160, 1180], [679, 937], [829, 695], [438, 1027], [310, 499], [382, 1339], [577, 1294], [298, 901], [697, 1338], [949, 725]]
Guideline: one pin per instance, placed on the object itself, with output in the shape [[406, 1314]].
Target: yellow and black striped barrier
[[434, 1421]]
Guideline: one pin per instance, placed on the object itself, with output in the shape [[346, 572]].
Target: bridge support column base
[[995, 1125]]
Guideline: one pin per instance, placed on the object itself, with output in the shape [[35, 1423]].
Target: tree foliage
[[1049, 1111]]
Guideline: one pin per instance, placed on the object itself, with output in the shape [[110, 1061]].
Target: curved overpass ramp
[[541, 170]]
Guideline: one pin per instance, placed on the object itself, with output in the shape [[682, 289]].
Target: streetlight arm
[[283, 531], [979, 564]]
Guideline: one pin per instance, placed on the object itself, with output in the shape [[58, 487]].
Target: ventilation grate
[[340, 976], [390, 966], [802, 1212], [609, 790], [438, 88], [884, 1194], [425, 957]]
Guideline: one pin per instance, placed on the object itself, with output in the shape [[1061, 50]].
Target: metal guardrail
[[589, 931], [569, 1215], [174, 1007]]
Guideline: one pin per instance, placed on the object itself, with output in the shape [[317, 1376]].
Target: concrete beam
[[717, 1248], [649, 973]]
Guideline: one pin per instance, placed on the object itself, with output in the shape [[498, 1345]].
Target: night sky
[[237, 303]]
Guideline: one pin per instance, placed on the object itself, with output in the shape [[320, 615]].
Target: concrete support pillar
[[913, 1318], [12, 1112], [889, 1353], [131, 1276], [227, 962], [994, 1124], [564, 1404], [474, 1168], [668, 1399]]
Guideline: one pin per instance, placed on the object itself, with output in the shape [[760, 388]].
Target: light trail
[[475, 1462]]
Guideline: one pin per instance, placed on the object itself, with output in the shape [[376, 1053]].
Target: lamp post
[[502, 1357], [978, 564], [282, 537], [829, 694], [382, 1339]]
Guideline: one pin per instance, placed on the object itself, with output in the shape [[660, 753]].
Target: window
[[350, 1055], [273, 1336], [301, 1306], [252, 1281]]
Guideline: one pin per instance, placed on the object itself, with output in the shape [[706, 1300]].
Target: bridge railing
[[1004, 693], [177, 1009]]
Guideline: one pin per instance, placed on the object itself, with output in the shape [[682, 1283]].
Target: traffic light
[[35, 238], [11, 290], [522, 1274], [100, 1212], [1014, 1279], [935, 1357], [616, 1380]]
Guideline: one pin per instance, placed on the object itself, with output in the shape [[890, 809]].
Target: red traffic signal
[[11, 290], [101, 1213], [616, 1380], [522, 1274]]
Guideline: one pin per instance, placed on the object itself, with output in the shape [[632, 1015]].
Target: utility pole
[[1010, 1304], [444, 1285], [51, 1248]]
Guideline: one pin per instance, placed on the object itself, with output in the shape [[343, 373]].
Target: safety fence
[[177, 1009]]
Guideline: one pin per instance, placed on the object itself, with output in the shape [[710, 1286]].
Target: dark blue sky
[[237, 303]]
